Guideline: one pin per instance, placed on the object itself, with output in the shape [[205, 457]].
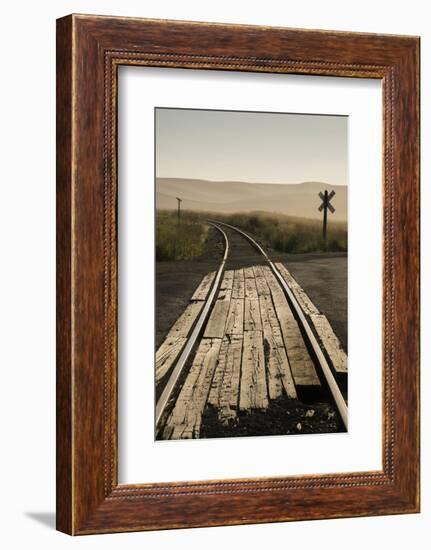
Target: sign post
[[325, 206], [179, 208]]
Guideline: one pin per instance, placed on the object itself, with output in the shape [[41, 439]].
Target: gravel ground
[[283, 417]]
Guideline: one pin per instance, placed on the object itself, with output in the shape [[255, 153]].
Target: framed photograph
[[237, 274]]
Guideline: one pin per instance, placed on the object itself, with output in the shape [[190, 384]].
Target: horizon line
[[251, 182]]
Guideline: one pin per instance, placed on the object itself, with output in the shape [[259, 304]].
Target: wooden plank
[[216, 323], [224, 392], [280, 380], [248, 273], [325, 332], [301, 364], [331, 343], [224, 294], [304, 301], [186, 418], [253, 389], [202, 290], [186, 320], [235, 317], [167, 354], [227, 281], [271, 281], [252, 319], [261, 284], [250, 290], [302, 367], [238, 284]]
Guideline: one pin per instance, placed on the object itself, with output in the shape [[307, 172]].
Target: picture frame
[[89, 51]]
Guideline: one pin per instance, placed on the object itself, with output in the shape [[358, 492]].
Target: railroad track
[[252, 335]]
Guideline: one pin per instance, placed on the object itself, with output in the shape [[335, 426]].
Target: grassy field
[[179, 241], [289, 234], [279, 232]]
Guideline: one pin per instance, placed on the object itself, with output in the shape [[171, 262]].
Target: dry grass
[[278, 232], [178, 241], [287, 233], [293, 235]]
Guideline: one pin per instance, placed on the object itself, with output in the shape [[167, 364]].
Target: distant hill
[[235, 196]]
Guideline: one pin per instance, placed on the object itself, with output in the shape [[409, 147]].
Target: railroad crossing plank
[[253, 389], [224, 294], [273, 284], [238, 284], [249, 273], [250, 288], [331, 343], [202, 290], [217, 321], [235, 317], [280, 380], [167, 353], [323, 328], [227, 281], [186, 320], [304, 301], [302, 367], [261, 284], [224, 391], [252, 319], [185, 420]]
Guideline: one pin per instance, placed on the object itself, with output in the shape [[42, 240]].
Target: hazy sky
[[253, 147]]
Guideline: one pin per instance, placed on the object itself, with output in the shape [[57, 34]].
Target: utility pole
[[179, 209], [325, 206]]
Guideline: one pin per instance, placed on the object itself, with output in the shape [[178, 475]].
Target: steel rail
[[329, 377], [167, 391]]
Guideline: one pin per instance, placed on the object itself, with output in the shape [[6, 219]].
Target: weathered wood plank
[[186, 418], [301, 364], [271, 281], [253, 388], [330, 342], [224, 392], [202, 290], [238, 284], [250, 288], [252, 319], [186, 320], [235, 317], [216, 323], [303, 370], [325, 332], [261, 284], [227, 281], [249, 273], [224, 294], [167, 354], [280, 380], [304, 301]]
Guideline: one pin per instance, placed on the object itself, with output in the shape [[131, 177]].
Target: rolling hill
[[234, 196]]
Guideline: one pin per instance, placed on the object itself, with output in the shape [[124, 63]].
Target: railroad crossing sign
[[325, 206]]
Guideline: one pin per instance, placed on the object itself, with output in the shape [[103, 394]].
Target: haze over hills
[[235, 196]]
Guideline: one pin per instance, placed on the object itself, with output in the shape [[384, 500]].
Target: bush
[[178, 241]]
